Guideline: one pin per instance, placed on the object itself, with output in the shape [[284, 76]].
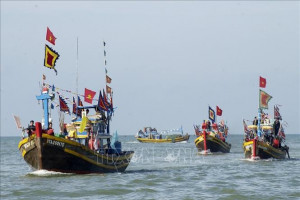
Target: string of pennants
[[103, 103]]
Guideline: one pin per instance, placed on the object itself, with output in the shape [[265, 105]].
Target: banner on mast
[[211, 114], [51, 57], [264, 99]]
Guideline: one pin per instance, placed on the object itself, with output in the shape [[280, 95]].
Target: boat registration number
[[56, 143], [28, 144]]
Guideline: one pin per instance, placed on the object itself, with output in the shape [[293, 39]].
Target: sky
[[168, 60]]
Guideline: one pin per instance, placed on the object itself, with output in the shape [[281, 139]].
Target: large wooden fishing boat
[[265, 146], [43, 151], [75, 151], [84, 145], [264, 138], [256, 148], [212, 139], [150, 135]]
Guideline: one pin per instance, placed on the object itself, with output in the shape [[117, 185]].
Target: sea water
[[160, 171]]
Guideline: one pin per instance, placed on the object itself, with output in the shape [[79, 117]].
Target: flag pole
[[259, 115], [77, 66]]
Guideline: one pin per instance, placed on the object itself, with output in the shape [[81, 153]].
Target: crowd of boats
[[92, 149], [86, 145]]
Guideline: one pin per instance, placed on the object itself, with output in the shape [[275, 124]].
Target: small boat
[[265, 137], [150, 135], [82, 146], [212, 139]]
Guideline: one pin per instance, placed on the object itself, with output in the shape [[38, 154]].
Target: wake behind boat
[[150, 135]]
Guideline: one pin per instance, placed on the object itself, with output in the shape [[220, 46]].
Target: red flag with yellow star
[[219, 111], [50, 37], [264, 99], [89, 95], [262, 82]]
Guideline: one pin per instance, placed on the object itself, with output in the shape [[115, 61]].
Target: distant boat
[[212, 139], [150, 135], [264, 138]]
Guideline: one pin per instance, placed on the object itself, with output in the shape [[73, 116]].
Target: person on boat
[[31, 128], [208, 125], [221, 127], [65, 133], [50, 129], [276, 126], [255, 121], [29, 133]]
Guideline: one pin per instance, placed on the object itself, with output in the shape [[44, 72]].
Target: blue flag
[[211, 114]]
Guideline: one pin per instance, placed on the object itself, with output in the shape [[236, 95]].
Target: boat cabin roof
[[252, 126]]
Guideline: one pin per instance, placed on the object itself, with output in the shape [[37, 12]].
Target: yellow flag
[[83, 124]]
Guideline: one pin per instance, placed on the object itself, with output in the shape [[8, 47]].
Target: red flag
[[74, 106], [105, 100], [63, 105], [50, 37], [111, 103], [276, 113], [219, 111], [262, 82], [89, 95], [101, 104], [79, 104]]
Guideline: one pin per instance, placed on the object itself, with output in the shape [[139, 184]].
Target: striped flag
[[276, 113]]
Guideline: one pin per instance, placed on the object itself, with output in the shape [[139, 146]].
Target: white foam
[[132, 142], [183, 142], [205, 152], [44, 172], [170, 158]]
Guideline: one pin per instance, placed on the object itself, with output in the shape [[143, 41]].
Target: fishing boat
[[212, 139], [265, 137], [82, 146], [151, 135], [93, 152]]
